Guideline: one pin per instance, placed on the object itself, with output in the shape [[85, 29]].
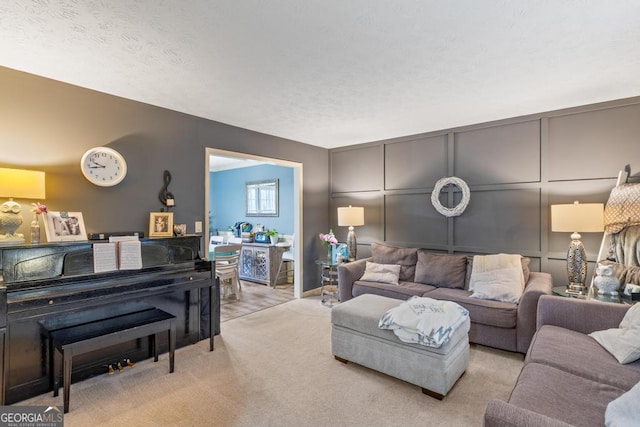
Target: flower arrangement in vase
[[37, 209], [329, 240]]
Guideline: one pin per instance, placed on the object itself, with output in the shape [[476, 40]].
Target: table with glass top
[[328, 281], [620, 298]]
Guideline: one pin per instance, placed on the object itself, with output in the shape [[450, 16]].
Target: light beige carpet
[[275, 368]]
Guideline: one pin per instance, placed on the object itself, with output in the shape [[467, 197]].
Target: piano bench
[[77, 339]]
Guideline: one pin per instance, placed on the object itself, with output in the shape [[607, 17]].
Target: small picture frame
[[180, 229], [64, 226], [161, 224]]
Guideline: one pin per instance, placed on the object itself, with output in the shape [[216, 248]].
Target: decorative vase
[[332, 254], [35, 230]]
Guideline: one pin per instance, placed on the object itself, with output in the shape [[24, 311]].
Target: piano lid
[[52, 260]]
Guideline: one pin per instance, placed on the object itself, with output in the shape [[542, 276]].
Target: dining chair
[[215, 240], [288, 258], [235, 241], [227, 261]]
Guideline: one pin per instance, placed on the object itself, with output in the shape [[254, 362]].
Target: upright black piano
[[40, 282]]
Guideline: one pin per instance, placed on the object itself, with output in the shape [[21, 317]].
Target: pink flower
[[38, 208], [329, 238]]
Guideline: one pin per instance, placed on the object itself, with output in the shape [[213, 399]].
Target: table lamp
[[576, 218], [352, 217], [19, 184]]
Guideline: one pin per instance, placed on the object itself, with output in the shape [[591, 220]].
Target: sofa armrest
[[347, 274], [579, 315], [503, 414], [539, 284]]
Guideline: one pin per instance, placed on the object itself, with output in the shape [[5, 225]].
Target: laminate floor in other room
[[254, 297]]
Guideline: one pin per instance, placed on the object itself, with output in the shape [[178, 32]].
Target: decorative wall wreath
[[460, 207]]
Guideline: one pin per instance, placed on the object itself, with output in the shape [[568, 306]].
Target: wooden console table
[[259, 262]]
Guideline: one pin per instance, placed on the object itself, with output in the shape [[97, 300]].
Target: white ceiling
[[334, 72], [219, 163]]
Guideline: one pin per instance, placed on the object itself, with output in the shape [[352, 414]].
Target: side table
[[561, 291], [591, 295], [328, 281]]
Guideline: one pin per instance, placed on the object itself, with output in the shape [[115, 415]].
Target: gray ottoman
[[355, 337]]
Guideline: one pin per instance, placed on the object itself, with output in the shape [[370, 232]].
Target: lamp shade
[[351, 216], [577, 217], [22, 184]]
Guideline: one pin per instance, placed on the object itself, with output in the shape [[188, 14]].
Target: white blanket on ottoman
[[425, 321]]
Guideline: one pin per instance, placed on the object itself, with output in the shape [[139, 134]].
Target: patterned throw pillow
[[383, 273]]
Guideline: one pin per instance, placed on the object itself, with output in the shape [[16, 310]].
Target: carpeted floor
[[274, 367]]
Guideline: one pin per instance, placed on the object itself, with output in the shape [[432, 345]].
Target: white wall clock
[[103, 166]]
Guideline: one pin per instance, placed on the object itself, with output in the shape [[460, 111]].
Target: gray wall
[[47, 125], [515, 169]]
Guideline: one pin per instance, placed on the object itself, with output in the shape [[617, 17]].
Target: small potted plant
[[273, 235]]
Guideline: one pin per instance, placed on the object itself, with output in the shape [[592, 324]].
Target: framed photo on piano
[[64, 226], [161, 224]]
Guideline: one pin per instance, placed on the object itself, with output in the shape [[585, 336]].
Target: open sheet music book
[[121, 253]]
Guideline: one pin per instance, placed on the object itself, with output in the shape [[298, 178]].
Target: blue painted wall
[[227, 191]]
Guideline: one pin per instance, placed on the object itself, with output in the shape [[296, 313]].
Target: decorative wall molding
[[516, 169]]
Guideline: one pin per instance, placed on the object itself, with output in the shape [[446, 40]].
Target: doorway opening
[[215, 156]]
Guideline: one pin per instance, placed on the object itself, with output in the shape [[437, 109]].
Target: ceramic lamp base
[[352, 245], [576, 265]]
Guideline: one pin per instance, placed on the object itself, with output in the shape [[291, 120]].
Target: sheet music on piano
[[129, 252], [121, 253], [105, 257]]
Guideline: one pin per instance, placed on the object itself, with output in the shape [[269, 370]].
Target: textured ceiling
[[334, 72]]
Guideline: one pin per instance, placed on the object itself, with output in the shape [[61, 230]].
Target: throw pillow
[[501, 285], [523, 260], [624, 342], [484, 263], [383, 273], [623, 411], [405, 257], [442, 270]]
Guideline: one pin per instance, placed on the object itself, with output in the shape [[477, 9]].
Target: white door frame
[[297, 207]]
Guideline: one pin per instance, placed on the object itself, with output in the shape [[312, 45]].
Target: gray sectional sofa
[[568, 378], [497, 324]]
